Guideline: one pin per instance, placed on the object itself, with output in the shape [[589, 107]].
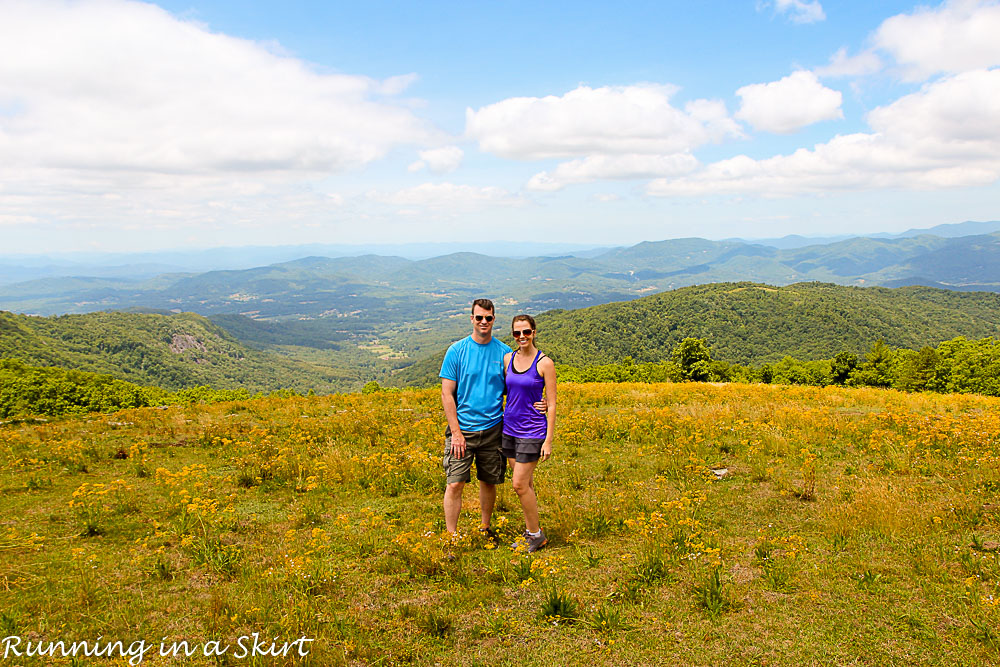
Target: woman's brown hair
[[523, 318]]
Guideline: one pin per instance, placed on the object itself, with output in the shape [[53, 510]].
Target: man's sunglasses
[[525, 333], [480, 318]]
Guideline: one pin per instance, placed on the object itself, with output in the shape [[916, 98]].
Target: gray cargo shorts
[[482, 447]]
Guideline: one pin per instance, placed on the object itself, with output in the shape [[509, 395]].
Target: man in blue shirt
[[472, 395]]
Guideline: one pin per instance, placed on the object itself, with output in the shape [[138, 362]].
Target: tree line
[[30, 390], [958, 365]]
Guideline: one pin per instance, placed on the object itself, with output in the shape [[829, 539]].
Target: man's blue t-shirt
[[478, 371]]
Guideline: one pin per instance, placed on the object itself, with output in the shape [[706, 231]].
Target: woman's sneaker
[[535, 543], [521, 543]]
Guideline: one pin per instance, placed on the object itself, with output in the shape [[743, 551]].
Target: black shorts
[[522, 450]]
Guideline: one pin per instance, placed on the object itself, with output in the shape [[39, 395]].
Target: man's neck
[[480, 338]]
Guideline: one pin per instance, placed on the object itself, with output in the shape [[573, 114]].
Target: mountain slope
[[169, 351], [753, 323]]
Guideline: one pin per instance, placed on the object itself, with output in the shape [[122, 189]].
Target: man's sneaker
[[490, 536], [535, 543]]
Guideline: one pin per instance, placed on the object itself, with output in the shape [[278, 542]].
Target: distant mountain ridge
[[139, 265], [950, 230], [347, 284], [21, 268]]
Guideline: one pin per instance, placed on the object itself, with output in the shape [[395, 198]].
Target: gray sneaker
[[535, 543], [521, 542]]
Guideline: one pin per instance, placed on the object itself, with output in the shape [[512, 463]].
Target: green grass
[[338, 536]]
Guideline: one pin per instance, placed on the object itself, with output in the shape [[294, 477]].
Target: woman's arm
[[548, 370]]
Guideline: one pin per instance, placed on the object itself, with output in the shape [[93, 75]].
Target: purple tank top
[[520, 418]]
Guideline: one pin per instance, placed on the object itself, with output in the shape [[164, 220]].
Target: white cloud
[[396, 85], [606, 198], [614, 132], [841, 64], [13, 220], [789, 104], [955, 118], [943, 136], [613, 167], [448, 197], [119, 96], [800, 11], [122, 85], [635, 119], [954, 37], [439, 160]]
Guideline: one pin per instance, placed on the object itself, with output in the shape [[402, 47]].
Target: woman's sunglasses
[[525, 333]]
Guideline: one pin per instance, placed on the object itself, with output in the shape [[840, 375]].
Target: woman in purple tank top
[[528, 433]]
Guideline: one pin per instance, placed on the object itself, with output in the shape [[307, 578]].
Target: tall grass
[[852, 526]]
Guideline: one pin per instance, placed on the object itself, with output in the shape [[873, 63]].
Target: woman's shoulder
[[545, 361]]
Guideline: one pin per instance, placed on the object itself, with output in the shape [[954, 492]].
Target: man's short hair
[[485, 304]]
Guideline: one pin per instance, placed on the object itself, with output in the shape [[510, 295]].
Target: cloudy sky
[[134, 126]]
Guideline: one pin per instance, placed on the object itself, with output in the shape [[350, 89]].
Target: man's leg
[[490, 469], [453, 504], [457, 475], [487, 500]]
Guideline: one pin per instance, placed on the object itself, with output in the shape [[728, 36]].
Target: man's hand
[[542, 406], [458, 445]]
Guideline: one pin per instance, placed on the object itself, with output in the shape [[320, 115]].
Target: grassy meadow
[[689, 524]]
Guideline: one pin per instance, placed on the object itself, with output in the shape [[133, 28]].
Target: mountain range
[[315, 286], [385, 311]]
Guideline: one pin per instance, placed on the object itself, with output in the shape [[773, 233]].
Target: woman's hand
[[546, 450]]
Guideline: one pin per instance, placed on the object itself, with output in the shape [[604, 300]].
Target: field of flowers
[[688, 523]]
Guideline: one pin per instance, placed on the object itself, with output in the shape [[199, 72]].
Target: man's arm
[[448, 402]]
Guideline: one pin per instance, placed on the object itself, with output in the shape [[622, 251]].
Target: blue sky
[[137, 126]]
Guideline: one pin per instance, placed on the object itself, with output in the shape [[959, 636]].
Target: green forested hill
[[754, 323], [751, 323], [169, 351]]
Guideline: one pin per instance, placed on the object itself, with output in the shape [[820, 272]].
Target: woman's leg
[[524, 487]]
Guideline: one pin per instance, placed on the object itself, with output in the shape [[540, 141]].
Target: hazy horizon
[[505, 248]]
